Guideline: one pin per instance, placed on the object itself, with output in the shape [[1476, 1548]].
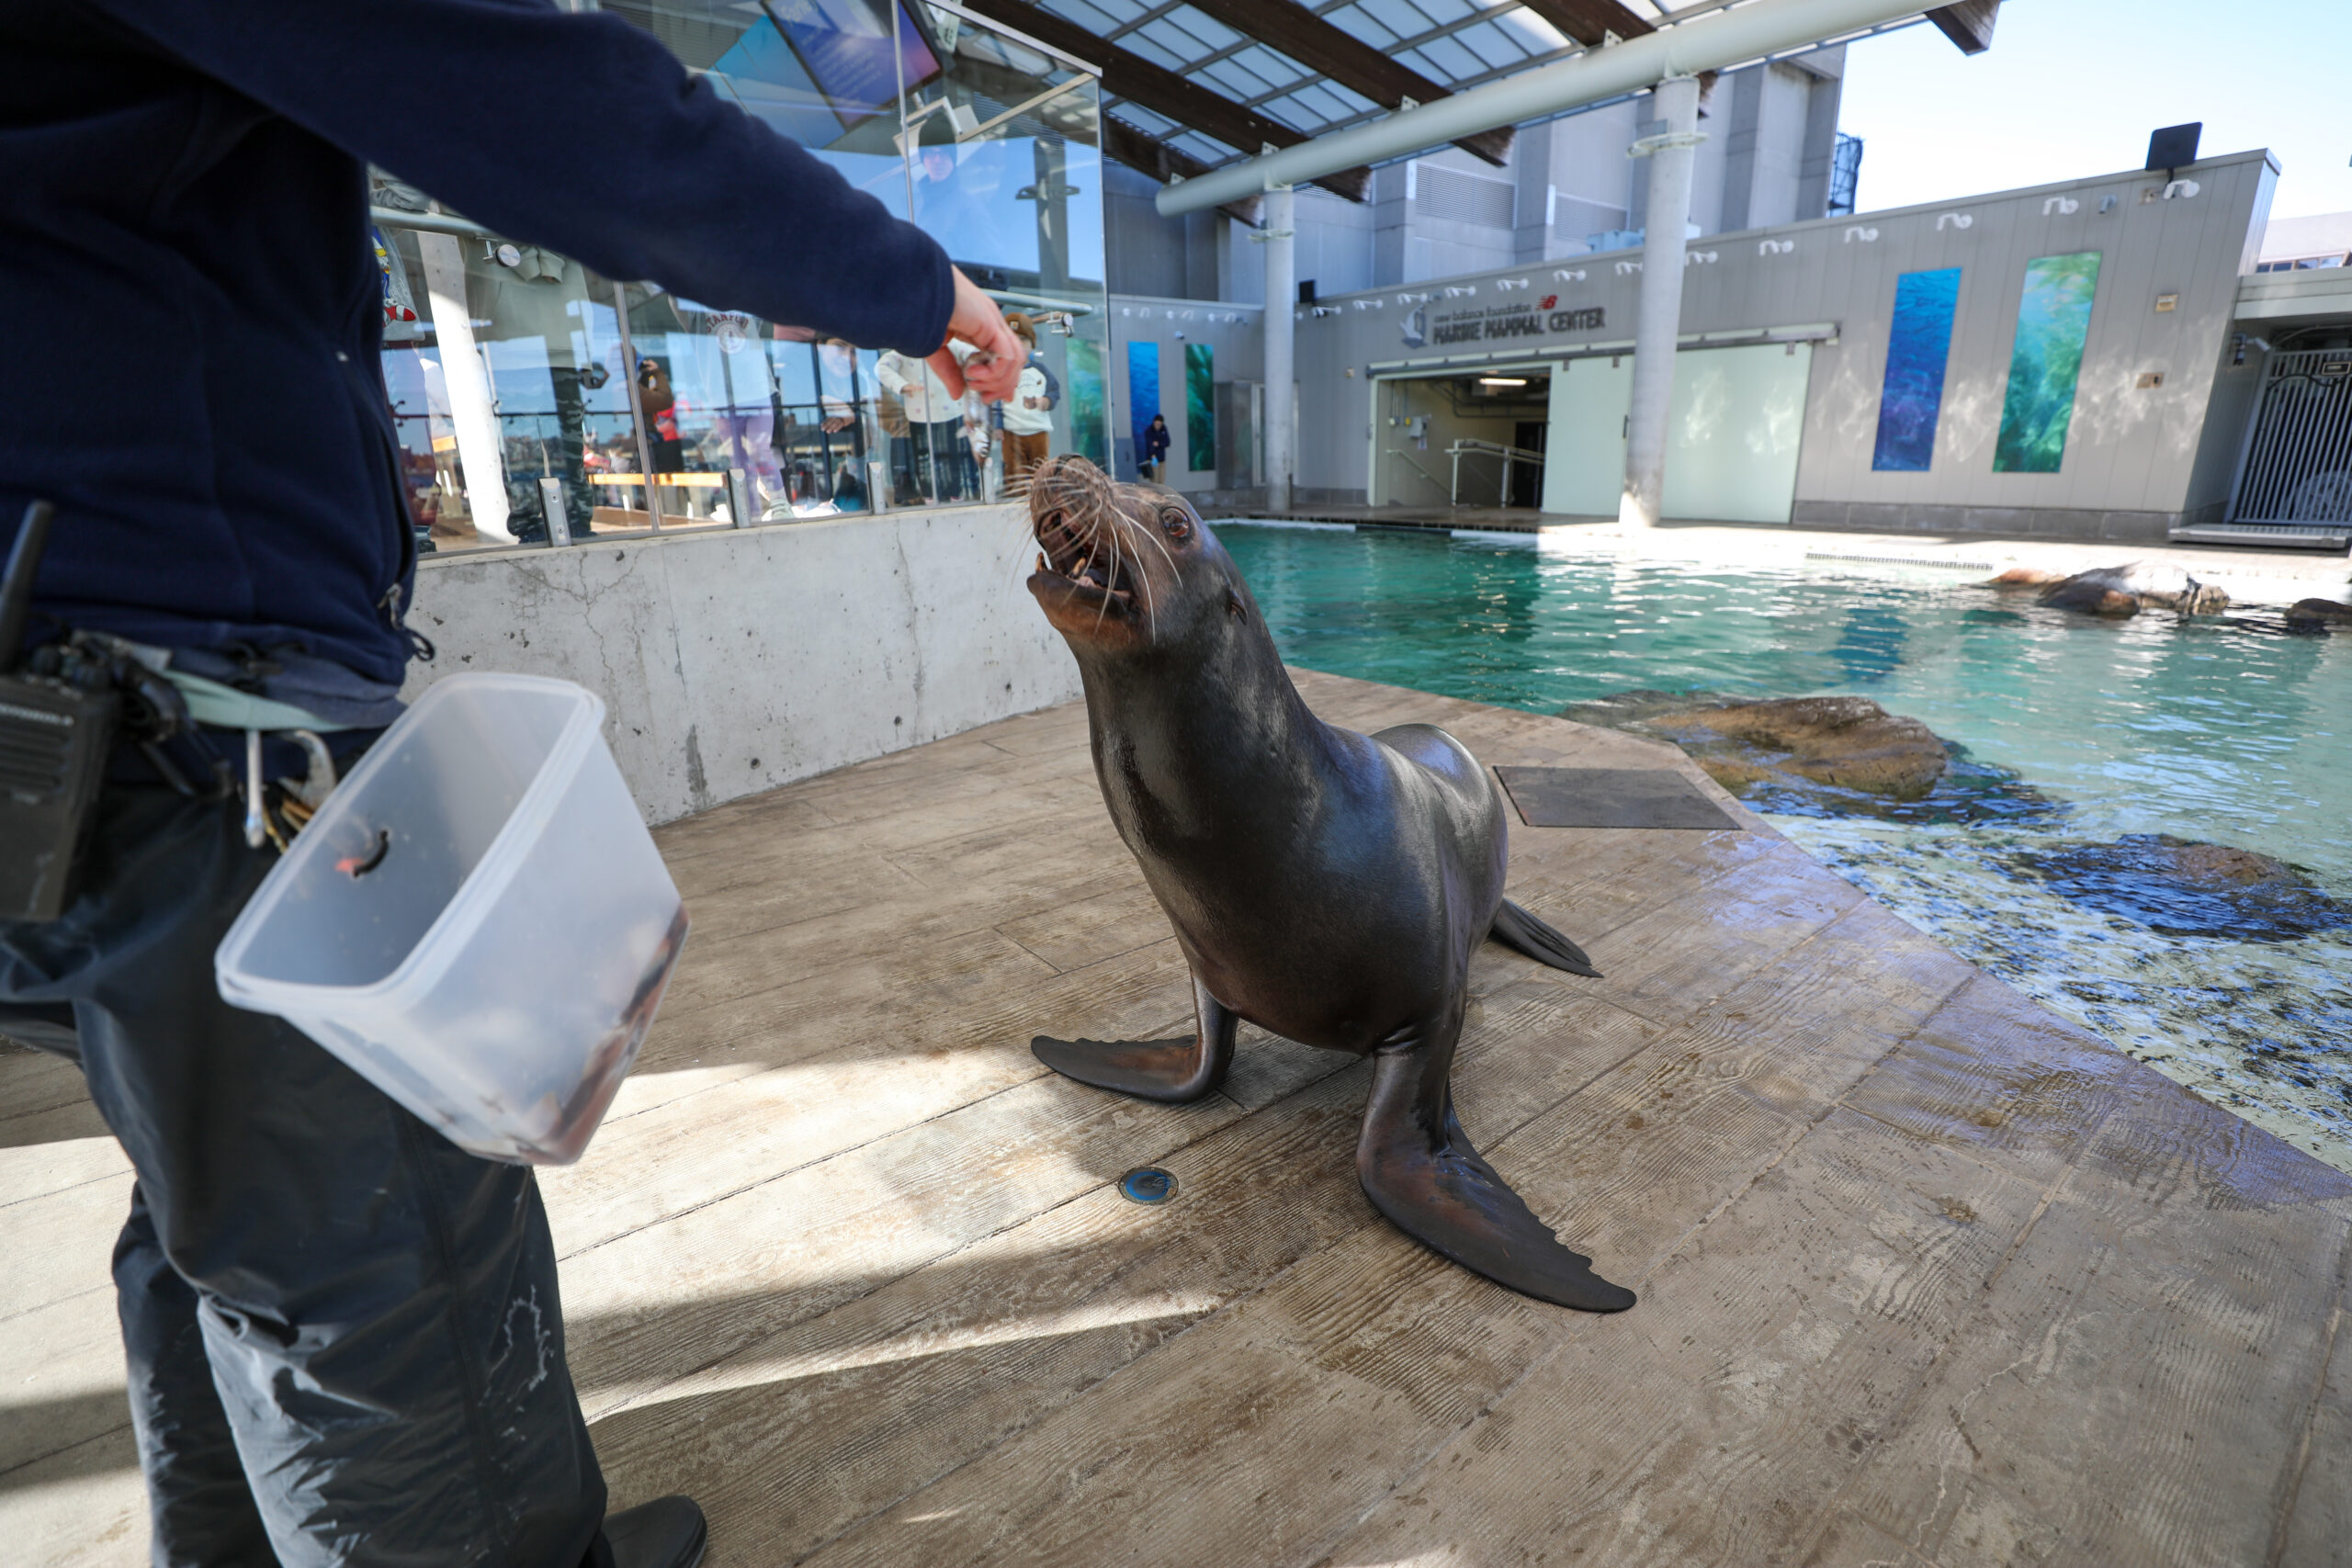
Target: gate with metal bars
[[2294, 478]]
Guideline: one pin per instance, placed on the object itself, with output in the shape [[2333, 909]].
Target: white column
[[1282, 302], [1658, 321], [481, 453]]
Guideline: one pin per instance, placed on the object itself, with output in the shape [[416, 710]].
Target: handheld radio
[[54, 734]]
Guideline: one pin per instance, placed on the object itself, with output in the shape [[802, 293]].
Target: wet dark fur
[[1327, 885]]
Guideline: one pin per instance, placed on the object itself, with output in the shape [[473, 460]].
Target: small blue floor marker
[[1147, 1184]]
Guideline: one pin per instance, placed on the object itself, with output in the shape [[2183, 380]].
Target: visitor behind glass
[[935, 415], [1028, 415], [342, 1333]]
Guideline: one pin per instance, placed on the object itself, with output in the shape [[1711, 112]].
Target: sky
[[2071, 88]]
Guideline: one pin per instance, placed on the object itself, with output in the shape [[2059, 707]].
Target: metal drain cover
[[1147, 1184]]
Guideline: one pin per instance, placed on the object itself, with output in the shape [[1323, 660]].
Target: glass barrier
[[539, 403]]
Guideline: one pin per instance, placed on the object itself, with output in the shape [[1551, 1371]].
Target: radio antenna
[[17, 587]]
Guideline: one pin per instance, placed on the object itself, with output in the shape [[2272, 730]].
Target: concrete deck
[[1929, 1277]]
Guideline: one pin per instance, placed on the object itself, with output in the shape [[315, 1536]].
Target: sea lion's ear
[[1233, 606]]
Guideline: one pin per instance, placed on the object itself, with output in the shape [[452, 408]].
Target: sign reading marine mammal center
[[1539, 320]]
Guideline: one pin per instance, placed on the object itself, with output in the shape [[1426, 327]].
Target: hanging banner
[[1143, 394], [1199, 407], [1919, 344], [2054, 323]]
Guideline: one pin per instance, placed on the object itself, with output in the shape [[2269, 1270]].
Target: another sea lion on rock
[[1326, 885], [2123, 591], [2318, 613]]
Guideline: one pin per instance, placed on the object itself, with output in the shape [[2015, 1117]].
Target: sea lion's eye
[[1179, 526]]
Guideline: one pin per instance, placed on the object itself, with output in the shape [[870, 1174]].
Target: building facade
[[2093, 358]]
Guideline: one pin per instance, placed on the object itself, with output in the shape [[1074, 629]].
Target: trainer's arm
[[612, 154]]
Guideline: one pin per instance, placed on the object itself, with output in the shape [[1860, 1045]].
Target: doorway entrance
[[1462, 438]]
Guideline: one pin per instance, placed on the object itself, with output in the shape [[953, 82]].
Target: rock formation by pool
[[2180, 887], [1818, 755]]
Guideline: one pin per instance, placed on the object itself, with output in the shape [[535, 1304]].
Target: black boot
[[668, 1532]]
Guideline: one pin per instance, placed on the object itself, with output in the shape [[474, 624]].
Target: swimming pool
[[2226, 729]]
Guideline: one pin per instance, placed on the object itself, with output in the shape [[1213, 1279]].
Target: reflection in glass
[[536, 402]]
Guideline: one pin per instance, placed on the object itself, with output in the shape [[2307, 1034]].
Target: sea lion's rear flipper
[[1174, 1071], [1523, 933], [1421, 1171]]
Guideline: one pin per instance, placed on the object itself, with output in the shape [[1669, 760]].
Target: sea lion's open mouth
[[1087, 560]]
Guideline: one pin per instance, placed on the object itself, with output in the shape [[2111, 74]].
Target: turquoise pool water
[[2228, 730]]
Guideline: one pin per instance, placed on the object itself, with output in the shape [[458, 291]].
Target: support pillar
[[1281, 305], [473, 415], [1657, 319]]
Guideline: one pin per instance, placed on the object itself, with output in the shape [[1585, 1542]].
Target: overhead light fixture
[[1502, 380]]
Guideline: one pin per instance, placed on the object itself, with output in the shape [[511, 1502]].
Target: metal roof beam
[[1712, 42], [1315, 43], [1149, 154], [1163, 92], [1968, 23]]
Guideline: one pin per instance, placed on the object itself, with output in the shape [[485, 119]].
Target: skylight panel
[[1398, 17], [1536, 35], [1297, 114], [1357, 24], [1207, 148], [1172, 42], [1144, 119], [1097, 19], [1211, 32], [1228, 78], [1349, 100], [1141, 43], [1490, 44], [1444, 11], [1279, 69], [1454, 61]]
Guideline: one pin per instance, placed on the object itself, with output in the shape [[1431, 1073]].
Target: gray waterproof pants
[[344, 1340]]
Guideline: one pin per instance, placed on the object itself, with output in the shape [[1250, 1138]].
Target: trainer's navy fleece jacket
[[190, 308]]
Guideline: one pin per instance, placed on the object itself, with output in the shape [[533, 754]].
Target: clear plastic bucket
[[476, 920]]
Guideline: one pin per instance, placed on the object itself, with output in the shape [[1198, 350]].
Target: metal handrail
[[1473, 446], [1417, 468]]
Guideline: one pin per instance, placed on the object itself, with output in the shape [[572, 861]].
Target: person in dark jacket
[[1155, 448], [343, 1336]]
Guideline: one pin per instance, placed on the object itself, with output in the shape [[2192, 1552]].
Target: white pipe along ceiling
[[1712, 42]]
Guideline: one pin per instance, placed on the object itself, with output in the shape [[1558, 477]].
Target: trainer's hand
[[996, 368]]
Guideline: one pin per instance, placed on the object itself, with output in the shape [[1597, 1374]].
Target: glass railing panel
[[1005, 168], [537, 403]]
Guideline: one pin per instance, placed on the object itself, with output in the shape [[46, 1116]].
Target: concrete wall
[[2132, 465], [734, 660]]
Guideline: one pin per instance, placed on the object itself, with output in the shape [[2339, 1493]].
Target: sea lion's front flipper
[[1171, 1070], [1419, 1170], [1523, 933]]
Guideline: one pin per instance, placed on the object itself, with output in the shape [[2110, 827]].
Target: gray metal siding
[[2128, 450]]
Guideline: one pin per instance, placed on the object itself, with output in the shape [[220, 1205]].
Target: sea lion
[[1326, 885]]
